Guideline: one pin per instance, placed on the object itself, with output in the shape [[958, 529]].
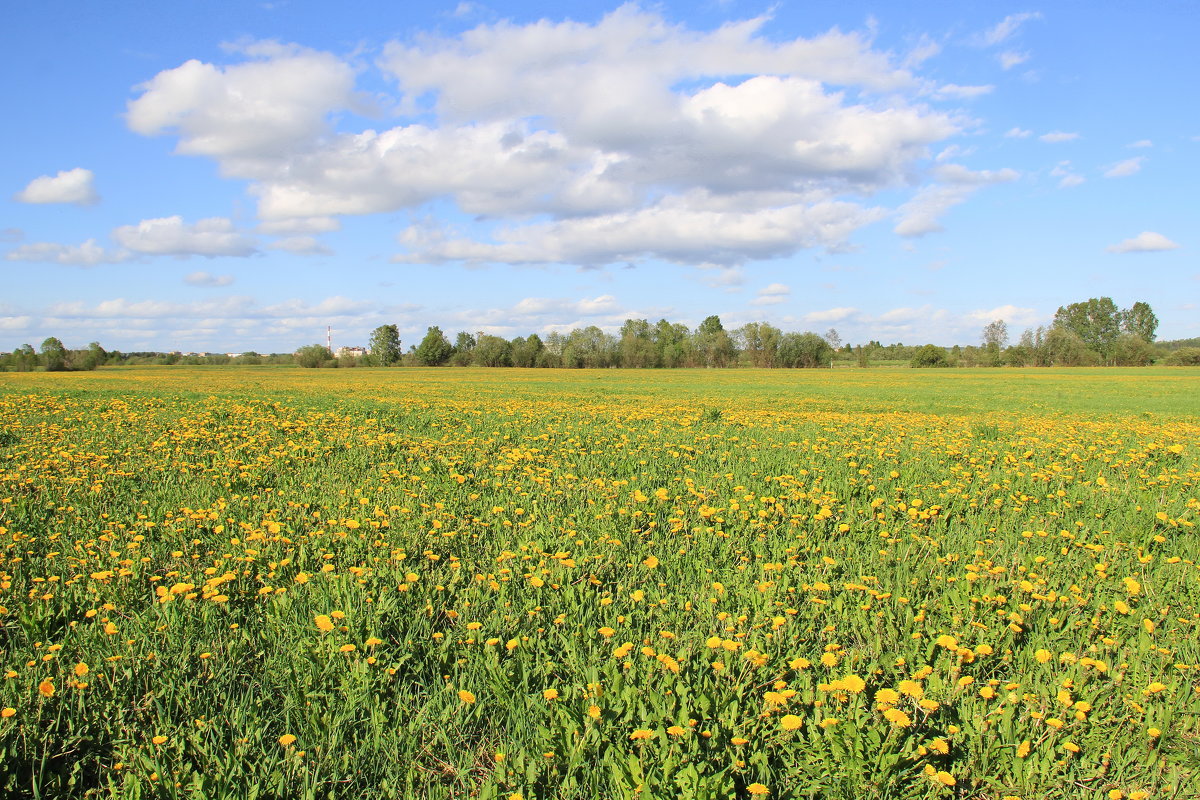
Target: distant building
[[355, 352]]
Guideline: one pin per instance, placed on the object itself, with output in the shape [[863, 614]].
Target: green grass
[[487, 527]]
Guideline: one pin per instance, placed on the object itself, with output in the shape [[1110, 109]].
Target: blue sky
[[232, 176]]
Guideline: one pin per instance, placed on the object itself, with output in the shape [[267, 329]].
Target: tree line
[[1089, 333]]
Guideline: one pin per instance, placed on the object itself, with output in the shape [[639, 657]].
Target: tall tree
[[760, 342], [1096, 322], [712, 344], [527, 352], [435, 349], [834, 338], [994, 337], [804, 350], [636, 344], [312, 356], [671, 341], [1139, 320], [54, 355], [385, 345]]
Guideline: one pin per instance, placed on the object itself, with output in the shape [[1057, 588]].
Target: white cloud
[[1017, 133], [211, 237], [1004, 29], [1141, 143], [591, 125], [772, 295], [301, 245], [1123, 169], [1012, 58], [921, 214], [1062, 170], [840, 314], [1013, 315], [207, 280], [87, 254], [688, 230], [260, 109], [952, 91], [1054, 137], [68, 186], [1144, 242]]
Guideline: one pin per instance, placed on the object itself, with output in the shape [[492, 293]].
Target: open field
[[272, 582]]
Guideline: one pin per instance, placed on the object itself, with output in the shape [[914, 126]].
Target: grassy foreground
[[276, 583]]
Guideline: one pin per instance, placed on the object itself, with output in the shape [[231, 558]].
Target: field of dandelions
[[276, 583]]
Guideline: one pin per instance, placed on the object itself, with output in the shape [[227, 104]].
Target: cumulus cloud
[[698, 229], [1067, 178], [565, 131], [772, 295], [207, 280], [88, 254], [211, 237], [1055, 137], [1141, 143], [1017, 133], [1123, 169], [73, 186], [279, 99], [1144, 242]]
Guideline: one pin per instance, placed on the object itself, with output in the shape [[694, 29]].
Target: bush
[[312, 356], [930, 356], [1184, 357]]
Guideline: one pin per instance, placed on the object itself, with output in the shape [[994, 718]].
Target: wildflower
[[829, 660], [897, 718], [46, 688], [324, 623], [8, 712], [466, 697], [606, 632], [887, 697], [853, 684], [594, 711], [676, 730], [550, 694], [1023, 749], [757, 789], [641, 734], [790, 722], [81, 669], [287, 739], [160, 739]]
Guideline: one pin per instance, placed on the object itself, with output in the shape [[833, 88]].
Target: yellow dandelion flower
[[81, 669], [46, 688], [790, 722], [897, 718], [641, 734], [466, 697], [287, 740], [757, 789], [550, 694], [676, 730], [160, 739], [324, 623]]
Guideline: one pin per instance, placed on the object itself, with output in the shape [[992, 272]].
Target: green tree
[[759, 341], [385, 345], [672, 343], [527, 352], [1096, 322], [994, 338], [312, 356], [23, 359], [712, 345], [492, 351], [464, 347], [1063, 347], [1139, 320], [1132, 351], [435, 349], [806, 350], [930, 355], [636, 344], [54, 355]]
